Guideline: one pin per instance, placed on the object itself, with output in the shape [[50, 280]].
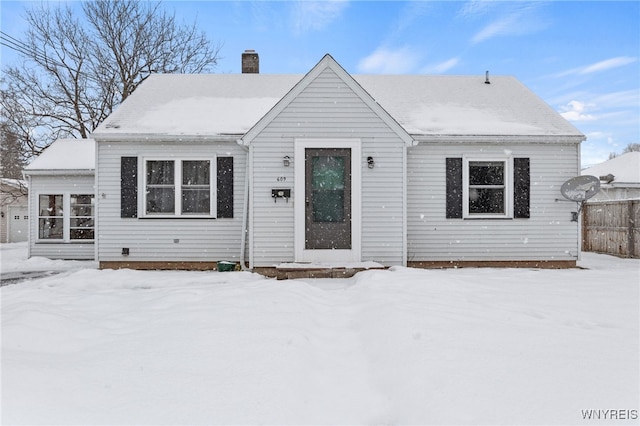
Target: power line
[[20, 47]]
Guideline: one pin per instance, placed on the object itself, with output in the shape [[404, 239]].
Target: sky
[[581, 57]]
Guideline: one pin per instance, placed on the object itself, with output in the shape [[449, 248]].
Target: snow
[[222, 104], [66, 154], [320, 265], [400, 346], [625, 168]]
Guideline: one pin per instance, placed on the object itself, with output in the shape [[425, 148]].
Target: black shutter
[[521, 188], [454, 188], [225, 187], [129, 187]]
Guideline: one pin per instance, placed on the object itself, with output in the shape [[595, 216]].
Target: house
[[619, 177], [334, 169], [13, 210], [62, 201]]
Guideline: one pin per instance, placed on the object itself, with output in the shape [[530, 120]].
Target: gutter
[[245, 210]]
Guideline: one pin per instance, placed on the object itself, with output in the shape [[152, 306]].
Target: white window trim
[[213, 186], [66, 218], [508, 187]]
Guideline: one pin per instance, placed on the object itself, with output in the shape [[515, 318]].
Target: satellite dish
[[580, 188]]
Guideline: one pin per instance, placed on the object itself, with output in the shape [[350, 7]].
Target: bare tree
[[77, 69], [632, 147], [11, 160]]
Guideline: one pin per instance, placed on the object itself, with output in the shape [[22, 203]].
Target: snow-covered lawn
[[403, 346]]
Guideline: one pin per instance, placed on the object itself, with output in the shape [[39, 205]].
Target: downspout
[[29, 202], [245, 210]]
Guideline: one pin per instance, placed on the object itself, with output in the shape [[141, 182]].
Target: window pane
[[486, 200], [50, 228], [81, 222], [160, 200], [160, 172], [486, 173], [50, 205], [196, 201], [195, 172], [328, 205], [328, 172], [82, 234], [327, 186]]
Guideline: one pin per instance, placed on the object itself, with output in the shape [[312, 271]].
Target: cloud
[[517, 20], [576, 111], [388, 61], [316, 15], [605, 65], [476, 7], [442, 66]]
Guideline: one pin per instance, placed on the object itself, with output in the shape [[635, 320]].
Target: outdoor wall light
[[286, 161], [370, 162]]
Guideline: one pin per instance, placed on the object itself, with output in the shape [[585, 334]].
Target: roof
[[66, 154], [14, 183], [625, 168], [230, 104]]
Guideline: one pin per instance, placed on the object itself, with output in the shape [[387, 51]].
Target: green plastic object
[[225, 266]]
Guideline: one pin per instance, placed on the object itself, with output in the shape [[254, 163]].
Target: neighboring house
[[62, 200], [619, 177], [13, 210], [332, 168]]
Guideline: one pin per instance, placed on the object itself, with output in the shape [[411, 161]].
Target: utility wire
[[20, 47]]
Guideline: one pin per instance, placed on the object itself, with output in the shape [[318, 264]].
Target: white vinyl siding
[[328, 109], [196, 239], [549, 233], [66, 247]]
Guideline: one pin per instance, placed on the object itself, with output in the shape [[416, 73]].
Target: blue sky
[[581, 57]]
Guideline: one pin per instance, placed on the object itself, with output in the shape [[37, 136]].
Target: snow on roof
[[14, 183], [66, 154], [625, 168], [218, 104]]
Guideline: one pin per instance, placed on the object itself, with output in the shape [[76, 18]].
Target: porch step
[[286, 271]]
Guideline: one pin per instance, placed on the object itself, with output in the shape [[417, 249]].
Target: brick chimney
[[250, 62]]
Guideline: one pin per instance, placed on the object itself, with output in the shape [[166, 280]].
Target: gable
[[328, 87]]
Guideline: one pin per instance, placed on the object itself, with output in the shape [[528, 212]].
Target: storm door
[[328, 211]]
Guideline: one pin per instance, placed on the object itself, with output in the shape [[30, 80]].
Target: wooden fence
[[612, 227]]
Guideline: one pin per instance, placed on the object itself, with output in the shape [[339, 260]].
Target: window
[[50, 217], [81, 217], [65, 217], [178, 188], [196, 187], [487, 188]]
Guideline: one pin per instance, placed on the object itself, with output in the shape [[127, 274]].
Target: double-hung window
[[65, 217], [486, 188], [178, 187]]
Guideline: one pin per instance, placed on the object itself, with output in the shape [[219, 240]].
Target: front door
[[328, 211]]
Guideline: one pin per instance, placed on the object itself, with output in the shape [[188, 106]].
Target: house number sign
[[281, 179]]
